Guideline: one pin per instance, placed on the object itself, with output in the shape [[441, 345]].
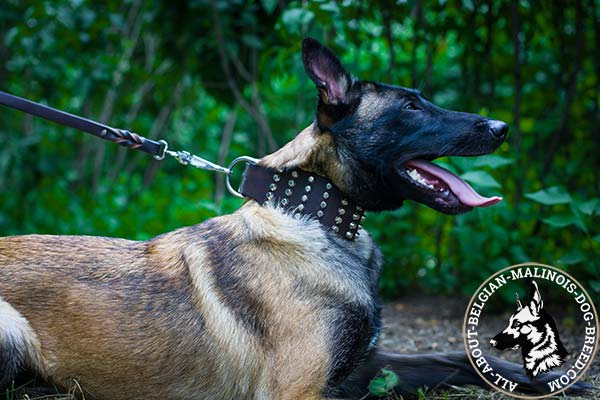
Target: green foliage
[[225, 78], [383, 385]]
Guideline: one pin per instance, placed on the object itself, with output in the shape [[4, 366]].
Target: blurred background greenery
[[225, 78]]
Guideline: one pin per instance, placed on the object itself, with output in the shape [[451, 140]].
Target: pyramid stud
[[311, 179], [294, 174], [269, 195], [323, 204], [341, 211], [338, 220], [352, 225], [359, 209], [326, 195], [288, 192], [319, 213], [276, 178], [350, 235], [335, 229], [355, 217], [304, 197], [307, 188], [328, 186], [291, 183], [344, 202], [284, 202], [301, 207], [273, 187]]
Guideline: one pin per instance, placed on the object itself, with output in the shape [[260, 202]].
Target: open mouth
[[441, 189]]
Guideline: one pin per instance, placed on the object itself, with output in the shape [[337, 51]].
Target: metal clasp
[[187, 158]]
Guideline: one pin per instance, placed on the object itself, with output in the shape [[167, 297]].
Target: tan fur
[[152, 319], [314, 151]]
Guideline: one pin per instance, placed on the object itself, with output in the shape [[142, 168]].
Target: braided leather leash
[[159, 149], [123, 137]]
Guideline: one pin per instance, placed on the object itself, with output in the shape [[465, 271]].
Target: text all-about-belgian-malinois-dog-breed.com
[[275, 301]]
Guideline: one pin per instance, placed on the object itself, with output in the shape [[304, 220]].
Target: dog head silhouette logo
[[531, 329]]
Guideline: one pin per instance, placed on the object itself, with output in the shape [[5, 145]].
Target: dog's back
[[210, 303], [90, 304]]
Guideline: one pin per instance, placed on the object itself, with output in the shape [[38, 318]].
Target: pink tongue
[[465, 193]]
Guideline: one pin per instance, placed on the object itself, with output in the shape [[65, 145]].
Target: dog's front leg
[[299, 367]]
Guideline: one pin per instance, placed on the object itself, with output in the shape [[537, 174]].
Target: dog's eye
[[411, 106]]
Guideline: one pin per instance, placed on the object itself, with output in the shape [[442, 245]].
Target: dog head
[[526, 326], [376, 141]]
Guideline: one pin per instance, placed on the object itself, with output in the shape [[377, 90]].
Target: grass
[[32, 390], [27, 391]]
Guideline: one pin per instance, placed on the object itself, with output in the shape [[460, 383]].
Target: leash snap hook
[[184, 157], [248, 160]]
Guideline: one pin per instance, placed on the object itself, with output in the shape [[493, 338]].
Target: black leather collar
[[304, 193]]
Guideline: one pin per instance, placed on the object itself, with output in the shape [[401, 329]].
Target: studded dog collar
[[304, 193]]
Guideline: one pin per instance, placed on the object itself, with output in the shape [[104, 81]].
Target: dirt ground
[[433, 324]]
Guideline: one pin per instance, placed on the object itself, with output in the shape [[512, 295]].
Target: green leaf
[[572, 257], [377, 387], [391, 379], [578, 218], [595, 285], [550, 196], [331, 7], [295, 18], [492, 161], [481, 178], [381, 386], [597, 238], [269, 5], [560, 220], [589, 207], [252, 41]]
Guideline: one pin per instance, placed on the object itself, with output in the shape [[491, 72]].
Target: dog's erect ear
[[535, 299], [519, 304], [326, 71]]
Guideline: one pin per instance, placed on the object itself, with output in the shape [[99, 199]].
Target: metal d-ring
[[238, 160], [164, 149]]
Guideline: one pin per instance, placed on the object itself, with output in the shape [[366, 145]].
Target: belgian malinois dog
[[275, 301]]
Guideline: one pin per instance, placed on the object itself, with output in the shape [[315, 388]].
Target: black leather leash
[[159, 149], [120, 136]]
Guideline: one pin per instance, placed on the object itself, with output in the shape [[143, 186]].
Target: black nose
[[498, 128]]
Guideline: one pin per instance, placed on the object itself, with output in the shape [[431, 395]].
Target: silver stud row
[[357, 217]]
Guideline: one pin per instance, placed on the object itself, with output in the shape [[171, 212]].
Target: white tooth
[[414, 174]]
